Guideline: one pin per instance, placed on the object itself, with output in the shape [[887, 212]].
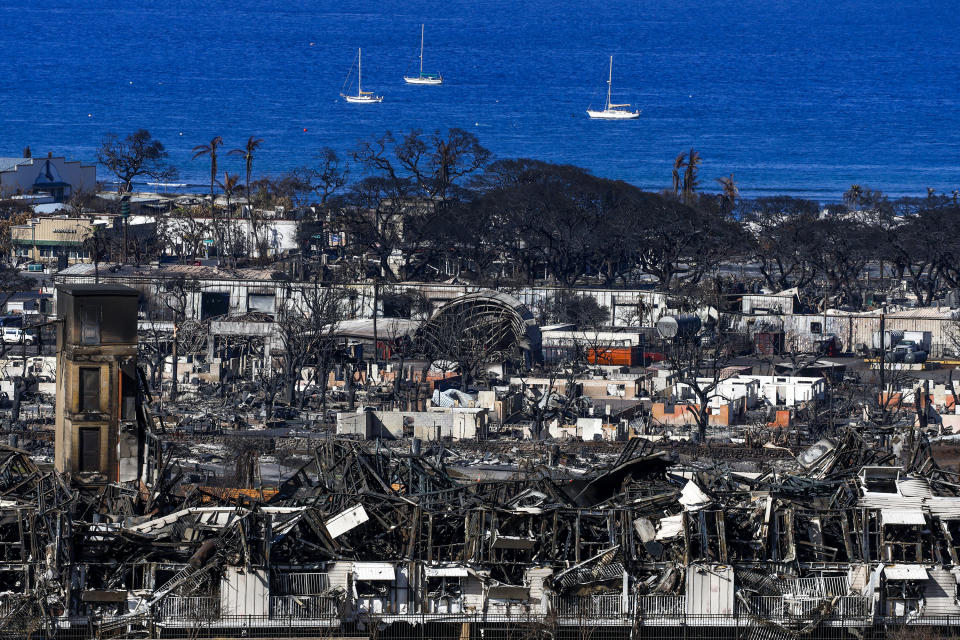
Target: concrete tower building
[[97, 387]]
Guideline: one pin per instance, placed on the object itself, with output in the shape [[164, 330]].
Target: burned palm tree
[[729, 192], [854, 196], [690, 182], [229, 233], [678, 164], [247, 152], [229, 185], [210, 150]]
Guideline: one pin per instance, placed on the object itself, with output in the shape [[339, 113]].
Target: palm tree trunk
[[249, 169], [213, 177]]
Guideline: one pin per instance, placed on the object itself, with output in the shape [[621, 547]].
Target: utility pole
[[125, 216], [23, 348], [883, 359]]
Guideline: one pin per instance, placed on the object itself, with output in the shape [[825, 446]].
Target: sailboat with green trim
[[423, 78]]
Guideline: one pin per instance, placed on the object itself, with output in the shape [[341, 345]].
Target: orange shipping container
[[615, 356]]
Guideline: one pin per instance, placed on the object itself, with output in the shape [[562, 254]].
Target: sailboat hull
[[610, 110], [613, 114], [363, 99], [417, 80]]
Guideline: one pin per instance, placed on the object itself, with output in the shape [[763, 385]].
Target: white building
[[55, 176], [272, 236], [789, 391], [777, 391]]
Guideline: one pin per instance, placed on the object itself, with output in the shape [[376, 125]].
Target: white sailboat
[[423, 78], [362, 97], [613, 111]]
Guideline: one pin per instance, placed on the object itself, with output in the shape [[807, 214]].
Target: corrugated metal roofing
[[96, 290], [446, 572], [945, 508], [374, 571], [905, 572], [939, 593], [933, 313], [386, 327], [902, 516], [915, 487]]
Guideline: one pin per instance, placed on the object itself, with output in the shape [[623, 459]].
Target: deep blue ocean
[[791, 97]]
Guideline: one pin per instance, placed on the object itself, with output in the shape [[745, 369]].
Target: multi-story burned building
[[97, 383]]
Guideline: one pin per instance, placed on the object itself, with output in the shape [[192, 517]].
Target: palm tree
[[678, 163], [247, 152], [729, 192], [690, 175], [854, 196], [229, 185], [210, 150]]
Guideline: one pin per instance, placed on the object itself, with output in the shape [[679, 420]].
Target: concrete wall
[[590, 428], [539, 599], [788, 390], [456, 423], [597, 389], [355, 424], [680, 415], [390, 422]]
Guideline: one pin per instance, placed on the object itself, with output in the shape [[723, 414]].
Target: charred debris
[[565, 495], [846, 531]]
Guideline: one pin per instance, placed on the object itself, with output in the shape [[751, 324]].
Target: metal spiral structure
[[495, 325]]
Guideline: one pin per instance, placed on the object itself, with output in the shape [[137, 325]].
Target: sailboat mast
[[360, 72], [421, 50], [609, 83]]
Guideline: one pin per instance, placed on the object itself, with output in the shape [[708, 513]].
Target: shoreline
[[823, 197]]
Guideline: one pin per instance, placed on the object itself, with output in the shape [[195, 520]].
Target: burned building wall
[[96, 379]]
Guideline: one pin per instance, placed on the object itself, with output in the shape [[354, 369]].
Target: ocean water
[[798, 97]]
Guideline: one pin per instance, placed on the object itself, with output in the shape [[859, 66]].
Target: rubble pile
[[845, 530]]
